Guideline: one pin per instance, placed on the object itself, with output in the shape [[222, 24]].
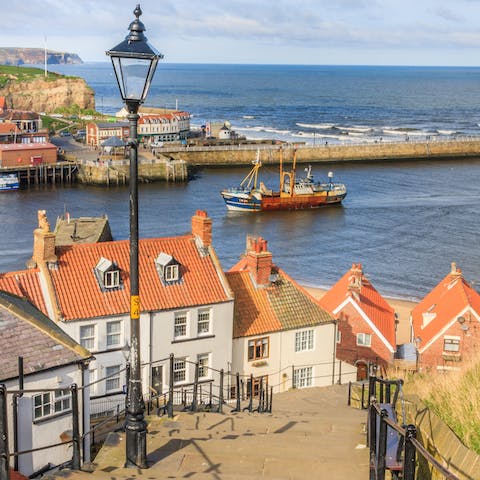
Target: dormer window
[[108, 274], [168, 268]]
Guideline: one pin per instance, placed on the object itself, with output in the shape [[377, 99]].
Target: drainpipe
[[15, 411]]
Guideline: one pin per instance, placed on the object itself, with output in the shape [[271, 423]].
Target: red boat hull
[[298, 202]]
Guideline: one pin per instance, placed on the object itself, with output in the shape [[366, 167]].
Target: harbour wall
[[329, 153]]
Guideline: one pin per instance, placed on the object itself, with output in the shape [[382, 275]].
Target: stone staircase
[[311, 434]]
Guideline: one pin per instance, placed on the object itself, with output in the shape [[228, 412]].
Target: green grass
[[16, 73], [455, 397]]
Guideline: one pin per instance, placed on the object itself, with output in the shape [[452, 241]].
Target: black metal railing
[[394, 447]]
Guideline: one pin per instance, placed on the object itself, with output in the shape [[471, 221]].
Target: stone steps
[[311, 434]]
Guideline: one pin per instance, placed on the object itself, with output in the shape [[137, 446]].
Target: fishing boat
[[9, 181], [294, 193]]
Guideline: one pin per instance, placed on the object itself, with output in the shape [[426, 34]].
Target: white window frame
[[179, 370], [180, 330], [111, 279], [304, 340], [451, 344], [112, 334], [85, 339], [203, 360], [51, 404], [303, 377], [112, 383], [364, 339], [171, 273], [202, 322]]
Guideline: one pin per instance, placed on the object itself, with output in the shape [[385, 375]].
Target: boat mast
[[292, 173], [281, 170]]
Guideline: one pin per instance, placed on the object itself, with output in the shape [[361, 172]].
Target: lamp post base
[[136, 441]]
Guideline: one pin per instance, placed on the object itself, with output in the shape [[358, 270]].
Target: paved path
[[311, 434]]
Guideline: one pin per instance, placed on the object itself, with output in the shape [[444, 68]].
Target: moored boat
[[9, 181], [294, 193]]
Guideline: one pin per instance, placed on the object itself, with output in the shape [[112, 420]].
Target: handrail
[[377, 440]]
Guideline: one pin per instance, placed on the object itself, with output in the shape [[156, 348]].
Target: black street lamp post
[[134, 62]]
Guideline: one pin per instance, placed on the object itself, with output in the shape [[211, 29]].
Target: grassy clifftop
[[10, 73]]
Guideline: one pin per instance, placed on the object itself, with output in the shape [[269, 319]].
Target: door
[[362, 371], [157, 379]]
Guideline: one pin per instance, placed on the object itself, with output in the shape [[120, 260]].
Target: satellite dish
[[461, 320], [464, 327]]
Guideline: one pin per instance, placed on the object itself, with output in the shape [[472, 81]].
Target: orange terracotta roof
[[14, 475], [444, 303], [375, 307], [80, 296], [26, 284], [283, 305]]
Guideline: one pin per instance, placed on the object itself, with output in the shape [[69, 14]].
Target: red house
[[446, 323], [366, 322]]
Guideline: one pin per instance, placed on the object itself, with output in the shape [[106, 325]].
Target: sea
[[405, 222]]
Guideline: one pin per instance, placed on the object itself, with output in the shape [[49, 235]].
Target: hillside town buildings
[[366, 322], [446, 323], [41, 362]]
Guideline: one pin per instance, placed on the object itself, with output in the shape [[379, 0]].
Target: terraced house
[[280, 333], [187, 306]]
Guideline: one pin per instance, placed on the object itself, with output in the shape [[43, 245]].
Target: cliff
[[46, 95], [35, 56]]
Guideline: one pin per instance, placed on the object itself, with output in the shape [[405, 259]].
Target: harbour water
[[405, 222]]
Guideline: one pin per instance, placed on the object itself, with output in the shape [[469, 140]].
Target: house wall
[[434, 354], [47, 431], [158, 342], [23, 156], [282, 356], [104, 357], [350, 323]]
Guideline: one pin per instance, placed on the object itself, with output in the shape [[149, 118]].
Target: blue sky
[[345, 32]]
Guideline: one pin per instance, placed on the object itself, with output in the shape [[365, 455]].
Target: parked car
[[156, 144]]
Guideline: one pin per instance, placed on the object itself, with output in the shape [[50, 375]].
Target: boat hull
[[249, 202], [9, 182]]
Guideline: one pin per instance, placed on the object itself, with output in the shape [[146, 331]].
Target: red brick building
[[99, 132], [446, 323], [27, 154], [366, 322]]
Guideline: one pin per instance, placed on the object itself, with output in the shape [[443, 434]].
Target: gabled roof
[[283, 305], [9, 128], [443, 305], [26, 332], [368, 300], [80, 296], [25, 283]]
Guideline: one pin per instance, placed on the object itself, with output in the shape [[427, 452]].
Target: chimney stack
[[259, 260], [43, 242], [202, 227], [455, 272], [355, 281]]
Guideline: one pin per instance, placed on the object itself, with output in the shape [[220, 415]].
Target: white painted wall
[[47, 431], [282, 355], [157, 341]]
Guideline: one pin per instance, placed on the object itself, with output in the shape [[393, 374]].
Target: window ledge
[[51, 417], [191, 339]]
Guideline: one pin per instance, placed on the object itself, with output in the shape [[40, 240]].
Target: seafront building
[[280, 333], [446, 323], [366, 322]]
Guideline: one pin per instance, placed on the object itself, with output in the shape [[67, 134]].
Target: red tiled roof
[[80, 296], [283, 305], [25, 283], [16, 475], [375, 307], [445, 302]]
